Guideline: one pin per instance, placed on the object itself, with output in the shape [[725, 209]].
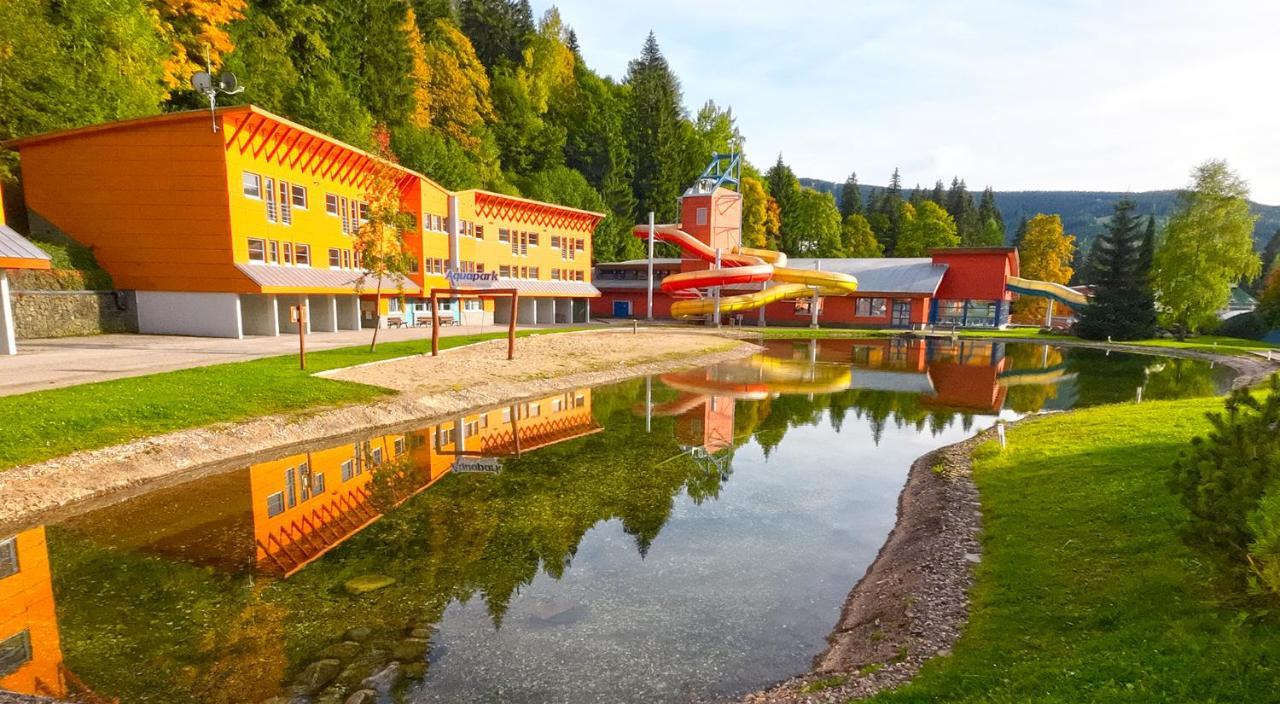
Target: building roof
[[883, 275], [17, 252], [482, 195], [657, 261], [302, 279], [540, 287]]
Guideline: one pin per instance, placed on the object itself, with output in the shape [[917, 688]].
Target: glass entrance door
[[901, 317]]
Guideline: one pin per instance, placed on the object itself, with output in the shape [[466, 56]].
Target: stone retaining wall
[[65, 313]]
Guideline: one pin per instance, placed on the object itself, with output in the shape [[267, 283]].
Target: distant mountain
[[1084, 213]]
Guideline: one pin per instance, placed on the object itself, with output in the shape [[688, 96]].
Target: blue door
[[622, 309]]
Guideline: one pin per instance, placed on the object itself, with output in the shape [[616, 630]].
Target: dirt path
[[460, 380]]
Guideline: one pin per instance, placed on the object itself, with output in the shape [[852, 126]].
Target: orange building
[[30, 649], [221, 232]]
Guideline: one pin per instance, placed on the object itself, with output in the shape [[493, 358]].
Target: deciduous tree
[[1207, 247], [1046, 255], [857, 239], [924, 228]]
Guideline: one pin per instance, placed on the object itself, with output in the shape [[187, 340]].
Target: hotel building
[[221, 232]]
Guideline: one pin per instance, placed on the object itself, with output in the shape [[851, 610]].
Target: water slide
[[743, 265], [761, 376], [1045, 289]]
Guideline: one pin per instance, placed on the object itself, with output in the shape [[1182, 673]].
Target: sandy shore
[[459, 380]]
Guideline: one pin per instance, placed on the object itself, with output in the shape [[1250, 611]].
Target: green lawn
[[1085, 592], [45, 424]]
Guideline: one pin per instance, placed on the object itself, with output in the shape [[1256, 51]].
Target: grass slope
[[45, 424], [1086, 592]]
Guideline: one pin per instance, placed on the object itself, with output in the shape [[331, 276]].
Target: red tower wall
[[713, 218]]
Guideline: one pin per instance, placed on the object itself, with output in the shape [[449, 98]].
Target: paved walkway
[[67, 361]]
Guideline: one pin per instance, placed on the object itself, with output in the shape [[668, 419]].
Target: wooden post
[[511, 327], [435, 325]]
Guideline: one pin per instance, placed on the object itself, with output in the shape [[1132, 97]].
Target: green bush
[[1223, 477], [1264, 551]]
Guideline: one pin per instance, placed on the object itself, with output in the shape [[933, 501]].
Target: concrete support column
[[527, 314], [8, 341], [259, 314], [348, 312], [324, 313], [502, 311], [284, 304], [546, 310]]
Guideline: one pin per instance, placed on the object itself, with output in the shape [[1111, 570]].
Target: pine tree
[[991, 220], [654, 127], [939, 194], [1020, 233], [1121, 306], [497, 28], [851, 197]]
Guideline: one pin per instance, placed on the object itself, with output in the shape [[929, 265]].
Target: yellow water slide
[[1046, 289]]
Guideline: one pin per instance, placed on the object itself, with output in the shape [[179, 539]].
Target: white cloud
[[1079, 94]]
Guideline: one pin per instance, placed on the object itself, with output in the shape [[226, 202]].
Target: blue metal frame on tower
[[718, 173]]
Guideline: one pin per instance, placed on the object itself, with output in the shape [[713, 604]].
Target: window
[[399, 445], [504, 235], [286, 205], [288, 253], [275, 504], [393, 305], [290, 487], [270, 190], [702, 216], [252, 185], [348, 470], [533, 239], [273, 252], [376, 457], [580, 275], [479, 232], [9, 558], [504, 271], [413, 265], [346, 259], [15, 651], [299, 196], [331, 204], [950, 312], [472, 304], [335, 257], [871, 307], [344, 207], [555, 274], [579, 245], [364, 212], [257, 250], [555, 241], [302, 254], [980, 314], [317, 484], [524, 272], [533, 272]]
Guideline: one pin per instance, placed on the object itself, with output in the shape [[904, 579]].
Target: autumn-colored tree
[[755, 213], [451, 87], [380, 247], [193, 29], [1046, 254], [547, 67]]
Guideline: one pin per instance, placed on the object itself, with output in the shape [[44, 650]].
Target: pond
[[688, 537]]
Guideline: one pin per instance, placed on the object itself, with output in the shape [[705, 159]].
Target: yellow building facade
[[224, 232]]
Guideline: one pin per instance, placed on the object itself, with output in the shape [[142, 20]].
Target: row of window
[[264, 251], [300, 484], [279, 198], [967, 313], [633, 274], [352, 212]]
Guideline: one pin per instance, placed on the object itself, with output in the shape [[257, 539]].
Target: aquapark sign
[[475, 279]]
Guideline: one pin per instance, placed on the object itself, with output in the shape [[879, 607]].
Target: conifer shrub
[[1222, 480]]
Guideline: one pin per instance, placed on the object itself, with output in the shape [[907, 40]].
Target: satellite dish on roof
[[228, 84], [202, 82]]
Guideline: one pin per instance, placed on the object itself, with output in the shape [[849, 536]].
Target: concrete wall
[[258, 314], [348, 312], [40, 314], [527, 312], [285, 316], [183, 313], [324, 313], [502, 311], [546, 310]]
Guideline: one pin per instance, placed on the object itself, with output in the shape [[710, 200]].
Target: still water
[[681, 538]]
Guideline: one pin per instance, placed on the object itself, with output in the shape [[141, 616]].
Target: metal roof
[[883, 275], [312, 280], [657, 261], [15, 246], [541, 287]]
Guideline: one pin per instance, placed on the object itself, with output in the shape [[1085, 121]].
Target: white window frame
[[263, 260], [257, 185], [294, 191], [298, 250]]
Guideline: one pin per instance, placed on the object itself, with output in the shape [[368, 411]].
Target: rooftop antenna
[[227, 84]]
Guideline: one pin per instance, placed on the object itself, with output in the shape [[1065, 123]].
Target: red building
[[960, 286]]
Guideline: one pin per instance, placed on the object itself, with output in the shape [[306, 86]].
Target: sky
[[1048, 95]]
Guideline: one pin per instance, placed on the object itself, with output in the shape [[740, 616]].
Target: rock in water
[[317, 675], [368, 583], [364, 696]]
